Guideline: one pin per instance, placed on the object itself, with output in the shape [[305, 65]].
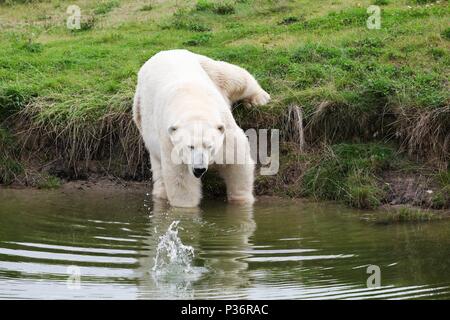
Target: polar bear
[[182, 108]]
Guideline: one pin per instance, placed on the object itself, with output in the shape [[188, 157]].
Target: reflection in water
[[224, 233], [276, 249], [224, 243]]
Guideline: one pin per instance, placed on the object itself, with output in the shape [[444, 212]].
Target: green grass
[[10, 168], [105, 7], [348, 172], [198, 40], [147, 7], [381, 2], [353, 84], [46, 181], [407, 215], [221, 8], [441, 198], [446, 33]]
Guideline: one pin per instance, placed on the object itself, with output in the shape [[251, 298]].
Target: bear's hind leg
[[234, 82]]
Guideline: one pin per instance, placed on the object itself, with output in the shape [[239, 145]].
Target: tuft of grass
[[147, 7], [182, 20], [381, 2], [347, 172], [221, 8], [191, 26], [32, 47], [312, 52], [289, 20], [362, 190], [10, 167], [204, 5], [198, 40], [224, 8], [423, 1], [46, 181], [407, 215], [105, 7], [441, 198], [446, 33]]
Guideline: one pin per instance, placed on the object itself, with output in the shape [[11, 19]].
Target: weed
[[10, 168], [407, 215], [346, 172], [289, 20], [147, 7], [198, 40], [221, 8], [46, 181], [446, 33], [224, 8], [105, 7]]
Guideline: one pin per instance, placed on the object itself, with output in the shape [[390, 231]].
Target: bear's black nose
[[198, 172]]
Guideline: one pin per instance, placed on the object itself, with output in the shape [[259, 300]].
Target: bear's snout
[[198, 172]]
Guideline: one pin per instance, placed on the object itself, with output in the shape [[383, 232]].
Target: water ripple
[[44, 255], [277, 250]]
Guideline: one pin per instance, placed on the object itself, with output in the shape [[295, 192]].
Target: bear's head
[[195, 144]]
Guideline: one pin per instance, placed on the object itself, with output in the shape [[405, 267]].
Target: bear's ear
[[221, 128], [172, 129]]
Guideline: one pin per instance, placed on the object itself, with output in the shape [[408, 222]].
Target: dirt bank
[[402, 189]]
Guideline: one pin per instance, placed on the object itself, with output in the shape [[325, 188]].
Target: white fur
[[177, 92]]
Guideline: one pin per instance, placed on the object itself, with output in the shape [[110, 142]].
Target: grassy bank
[[366, 97]]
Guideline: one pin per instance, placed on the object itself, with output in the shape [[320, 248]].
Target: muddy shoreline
[[405, 191]]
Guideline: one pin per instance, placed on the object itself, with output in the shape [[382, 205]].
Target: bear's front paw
[[260, 99], [160, 193], [241, 199]]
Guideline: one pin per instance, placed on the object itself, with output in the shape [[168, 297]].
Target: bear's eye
[[191, 147]]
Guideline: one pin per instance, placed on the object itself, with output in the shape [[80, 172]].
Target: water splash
[[172, 256]]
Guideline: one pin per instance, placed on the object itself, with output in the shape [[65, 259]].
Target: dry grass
[[113, 139], [425, 133]]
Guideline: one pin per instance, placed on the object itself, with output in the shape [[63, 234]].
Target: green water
[[279, 249]]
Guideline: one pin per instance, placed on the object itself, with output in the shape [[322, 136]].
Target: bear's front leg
[[159, 190], [239, 181], [182, 188], [238, 175]]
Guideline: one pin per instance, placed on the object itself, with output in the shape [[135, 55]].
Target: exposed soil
[[106, 184], [412, 189], [402, 188]]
